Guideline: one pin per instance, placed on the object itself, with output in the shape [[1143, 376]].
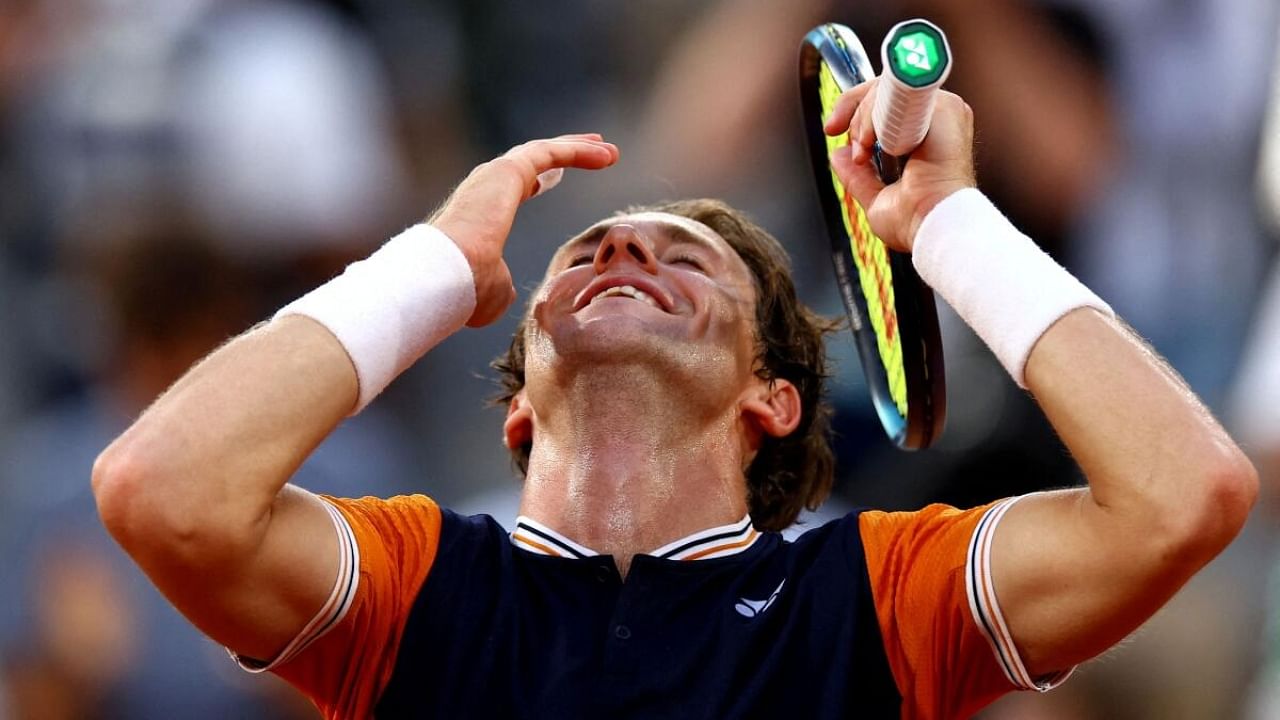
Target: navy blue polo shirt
[[874, 615], [778, 628]]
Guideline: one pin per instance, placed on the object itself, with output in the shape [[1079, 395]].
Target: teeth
[[627, 291]]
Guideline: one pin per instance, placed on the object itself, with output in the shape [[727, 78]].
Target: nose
[[623, 243]]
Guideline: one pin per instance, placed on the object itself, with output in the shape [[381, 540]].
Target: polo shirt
[[873, 615]]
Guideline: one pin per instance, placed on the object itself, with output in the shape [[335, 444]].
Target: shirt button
[[603, 575], [622, 632]]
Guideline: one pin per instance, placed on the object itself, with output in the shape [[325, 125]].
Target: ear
[[773, 407], [517, 430]]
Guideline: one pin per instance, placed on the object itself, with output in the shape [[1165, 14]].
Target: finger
[[544, 155], [537, 166], [837, 120], [861, 130], [859, 179]]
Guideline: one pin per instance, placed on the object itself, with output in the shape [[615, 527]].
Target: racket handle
[[915, 60]]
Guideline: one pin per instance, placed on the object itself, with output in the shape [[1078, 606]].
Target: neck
[[625, 467]]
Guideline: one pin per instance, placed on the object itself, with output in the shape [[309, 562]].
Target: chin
[[621, 340], [629, 341]]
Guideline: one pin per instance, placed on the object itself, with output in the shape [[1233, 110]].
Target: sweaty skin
[[637, 407]]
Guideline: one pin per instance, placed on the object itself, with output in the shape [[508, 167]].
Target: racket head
[[891, 311]]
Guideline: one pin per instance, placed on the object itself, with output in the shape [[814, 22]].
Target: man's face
[[649, 288]]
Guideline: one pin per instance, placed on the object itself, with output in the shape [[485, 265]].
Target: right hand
[[941, 165], [479, 213]]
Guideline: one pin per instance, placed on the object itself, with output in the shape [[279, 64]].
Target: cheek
[[538, 347], [731, 322]]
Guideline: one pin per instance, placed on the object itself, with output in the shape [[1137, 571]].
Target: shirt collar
[[720, 541]]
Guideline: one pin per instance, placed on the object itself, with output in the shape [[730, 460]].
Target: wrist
[[1004, 286], [930, 200], [392, 307]]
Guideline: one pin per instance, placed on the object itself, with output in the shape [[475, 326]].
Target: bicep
[[1072, 580], [257, 603]]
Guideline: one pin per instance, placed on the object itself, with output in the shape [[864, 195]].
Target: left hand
[[479, 213], [941, 165]]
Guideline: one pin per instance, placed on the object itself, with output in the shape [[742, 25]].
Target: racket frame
[[917, 318]]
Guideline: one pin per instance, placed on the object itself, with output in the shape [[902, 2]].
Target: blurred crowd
[[172, 171]]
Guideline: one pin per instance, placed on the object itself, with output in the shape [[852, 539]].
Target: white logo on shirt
[[752, 608]]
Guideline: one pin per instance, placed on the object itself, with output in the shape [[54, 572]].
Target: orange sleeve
[[344, 669], [925, 569]]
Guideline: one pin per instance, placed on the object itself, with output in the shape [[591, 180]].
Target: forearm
[[1150, 450], [216, 448], [1156, 460]]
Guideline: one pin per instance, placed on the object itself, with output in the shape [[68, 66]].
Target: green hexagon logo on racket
[[918, 56]]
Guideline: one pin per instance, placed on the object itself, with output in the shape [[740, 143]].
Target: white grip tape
[[1004, 286], [392, 307], [901, 114]]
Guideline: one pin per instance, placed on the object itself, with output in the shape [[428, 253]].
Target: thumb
[[883, 205], [852, 165], [890, 216]]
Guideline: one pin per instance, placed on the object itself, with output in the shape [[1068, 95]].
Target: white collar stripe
[[715, 542], [696, 543], [708, 551], [522, 541], [544, 535], [699, 539]]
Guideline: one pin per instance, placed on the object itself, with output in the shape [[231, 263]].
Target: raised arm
[[1074, 571], [195, 491]]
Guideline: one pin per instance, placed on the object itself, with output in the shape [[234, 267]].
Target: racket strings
[[871, 258]]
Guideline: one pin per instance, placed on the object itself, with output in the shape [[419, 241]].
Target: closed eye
[[688, 260], [579, 260]]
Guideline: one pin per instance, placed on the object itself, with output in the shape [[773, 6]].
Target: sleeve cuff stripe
[[976, 579], [335, 608], [344, 588], [986, 609]]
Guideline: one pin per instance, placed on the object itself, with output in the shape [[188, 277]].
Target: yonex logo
[[752, 608], [916, 53]]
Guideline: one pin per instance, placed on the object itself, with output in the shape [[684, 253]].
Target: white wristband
[[392, 307], [1004, 286]]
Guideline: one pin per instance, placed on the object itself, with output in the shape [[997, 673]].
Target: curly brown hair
[[788, 473]]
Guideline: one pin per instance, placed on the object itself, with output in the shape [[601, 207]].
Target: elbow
[[142, 507], [1228, 491], [1235, 488], [117, 487]]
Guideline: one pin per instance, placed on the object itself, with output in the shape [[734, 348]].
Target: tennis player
[[665, 403]]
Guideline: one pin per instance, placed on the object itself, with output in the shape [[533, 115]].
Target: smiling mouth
[[627, 291]]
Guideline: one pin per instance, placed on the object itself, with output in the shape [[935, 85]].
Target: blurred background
[[172, 171]]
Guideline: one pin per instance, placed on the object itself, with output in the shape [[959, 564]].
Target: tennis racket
[[891, 311]]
